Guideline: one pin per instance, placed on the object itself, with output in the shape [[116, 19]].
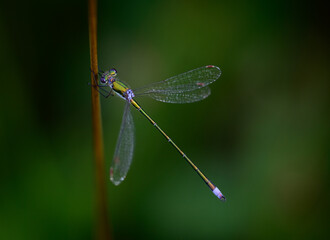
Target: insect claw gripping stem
[[94, 78]]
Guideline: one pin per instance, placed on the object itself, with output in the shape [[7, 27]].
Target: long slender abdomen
[[214, 189]]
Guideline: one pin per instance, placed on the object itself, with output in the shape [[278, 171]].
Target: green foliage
[[262, 136]]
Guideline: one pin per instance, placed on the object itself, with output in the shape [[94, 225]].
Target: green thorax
[[119, 87]]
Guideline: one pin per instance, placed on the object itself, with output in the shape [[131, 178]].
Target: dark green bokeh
[[262, 136]]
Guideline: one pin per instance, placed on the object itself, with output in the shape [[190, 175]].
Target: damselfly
[[188, 87]]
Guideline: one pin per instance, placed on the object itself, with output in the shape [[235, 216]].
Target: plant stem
[[102, 224]]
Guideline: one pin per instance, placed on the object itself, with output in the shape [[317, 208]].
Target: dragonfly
[[188, 87]]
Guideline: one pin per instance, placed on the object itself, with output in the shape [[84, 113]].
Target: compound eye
[[102, 80], [113, 72]]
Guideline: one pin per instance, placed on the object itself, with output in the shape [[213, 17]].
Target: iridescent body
[[184, 88]]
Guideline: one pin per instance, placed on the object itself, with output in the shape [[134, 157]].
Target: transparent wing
[[123, 156], [183, 97], [184, 87]]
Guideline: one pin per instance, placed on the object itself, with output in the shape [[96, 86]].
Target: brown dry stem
[[102, 224]]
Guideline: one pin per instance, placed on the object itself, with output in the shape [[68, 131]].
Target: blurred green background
[[262, 136]]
